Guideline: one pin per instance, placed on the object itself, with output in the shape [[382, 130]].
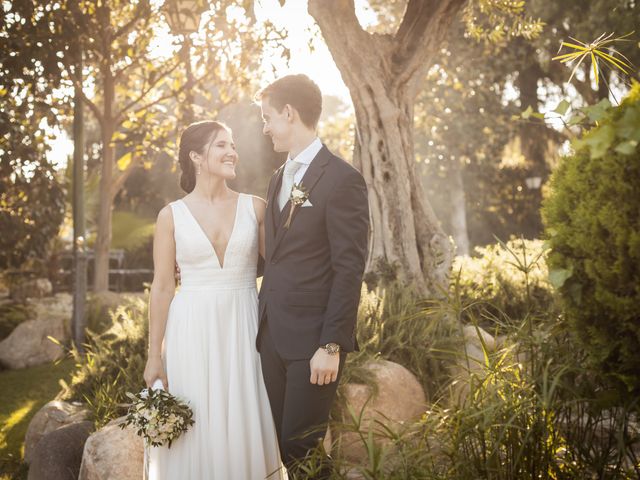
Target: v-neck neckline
[[204, 234]]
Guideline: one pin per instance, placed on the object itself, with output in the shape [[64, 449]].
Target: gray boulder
[[58, 454], [36, 288], [52, 416], [28, 344], [113, 453]]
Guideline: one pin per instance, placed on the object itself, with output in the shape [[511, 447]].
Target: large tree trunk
[[383, 75], [406, 231]]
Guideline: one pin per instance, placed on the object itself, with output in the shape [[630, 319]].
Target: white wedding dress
[[211, 361]]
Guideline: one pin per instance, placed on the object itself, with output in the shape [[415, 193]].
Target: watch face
[[332, 348]]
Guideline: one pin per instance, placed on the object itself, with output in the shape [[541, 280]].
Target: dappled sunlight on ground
[[22, 393]]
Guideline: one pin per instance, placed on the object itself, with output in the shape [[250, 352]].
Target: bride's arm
[[163, 285], [260, 207]]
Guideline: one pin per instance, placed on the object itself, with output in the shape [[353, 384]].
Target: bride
[[201, 339]]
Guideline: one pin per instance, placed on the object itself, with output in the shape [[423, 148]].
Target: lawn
[[22, 393]]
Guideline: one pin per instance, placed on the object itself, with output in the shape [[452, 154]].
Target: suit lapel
[[309, 180], [272, 200]]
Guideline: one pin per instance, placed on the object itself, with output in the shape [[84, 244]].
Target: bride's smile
[[222, 156]]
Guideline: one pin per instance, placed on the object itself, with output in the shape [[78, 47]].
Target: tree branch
[[92, 106], [423, 28], [353, 49], [143, 8], [161, 76], [117, 74], [173, 93]]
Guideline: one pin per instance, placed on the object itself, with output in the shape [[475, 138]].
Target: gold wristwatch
[[332, 348]]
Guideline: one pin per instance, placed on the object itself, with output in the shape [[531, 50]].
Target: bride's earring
[[198, 170]]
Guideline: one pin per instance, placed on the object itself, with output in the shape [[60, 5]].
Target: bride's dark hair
[[193, 139]]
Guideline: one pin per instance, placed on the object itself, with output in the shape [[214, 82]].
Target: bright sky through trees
[[315, 62]]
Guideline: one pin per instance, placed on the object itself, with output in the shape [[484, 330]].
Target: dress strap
[[251, 211], [177, 210]]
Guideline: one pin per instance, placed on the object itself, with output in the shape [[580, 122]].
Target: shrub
[[533, 411], [592, 220], [100, 307], [112, 364], [394, 325], [504, 281]]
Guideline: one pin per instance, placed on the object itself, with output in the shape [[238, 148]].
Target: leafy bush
[[393, 325], [31, 209], [100, 307], [504, 281], [112, 364], [592, 220], [516, 423], [519, 421], [533, 411]]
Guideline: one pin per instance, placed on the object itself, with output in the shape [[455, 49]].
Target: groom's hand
[[176, 274], [324, 367]]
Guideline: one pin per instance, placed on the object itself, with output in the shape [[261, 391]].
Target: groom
[[316, 234]]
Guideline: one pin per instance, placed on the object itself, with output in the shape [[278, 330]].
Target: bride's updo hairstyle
[[193, 139]]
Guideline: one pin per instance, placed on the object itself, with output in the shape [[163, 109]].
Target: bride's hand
[[153, 370]]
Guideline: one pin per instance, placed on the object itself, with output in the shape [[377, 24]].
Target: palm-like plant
[[601, 52]]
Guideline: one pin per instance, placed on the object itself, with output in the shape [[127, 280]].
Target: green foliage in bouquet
[[158, 416], [592, 220], [112, 364]]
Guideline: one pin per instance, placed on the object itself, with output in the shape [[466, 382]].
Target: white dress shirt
[[305, 157]]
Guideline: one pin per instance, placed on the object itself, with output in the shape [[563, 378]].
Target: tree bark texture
[[383, 74]]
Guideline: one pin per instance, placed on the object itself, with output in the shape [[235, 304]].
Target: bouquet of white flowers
[[158, 416]]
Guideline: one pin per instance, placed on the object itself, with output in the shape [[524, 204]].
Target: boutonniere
[[299, 195]]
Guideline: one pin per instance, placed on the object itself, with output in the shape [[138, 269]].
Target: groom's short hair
[[300, 92]]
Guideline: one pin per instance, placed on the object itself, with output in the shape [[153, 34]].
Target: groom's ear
[[289, 111]]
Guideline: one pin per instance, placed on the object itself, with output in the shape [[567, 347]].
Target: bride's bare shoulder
[[165, 217]]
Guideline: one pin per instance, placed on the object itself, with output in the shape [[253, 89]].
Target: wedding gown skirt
[[211, 361]]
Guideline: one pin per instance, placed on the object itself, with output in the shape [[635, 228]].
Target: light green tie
[[290, 169]]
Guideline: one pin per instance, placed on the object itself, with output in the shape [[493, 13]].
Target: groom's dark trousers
[[309, 295], [300, 409]]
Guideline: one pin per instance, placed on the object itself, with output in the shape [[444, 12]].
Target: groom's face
[[277, 125]]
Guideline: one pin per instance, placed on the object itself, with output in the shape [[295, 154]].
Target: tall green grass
[[532, 411]]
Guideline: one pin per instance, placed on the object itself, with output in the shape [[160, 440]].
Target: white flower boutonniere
[[299, 195]]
